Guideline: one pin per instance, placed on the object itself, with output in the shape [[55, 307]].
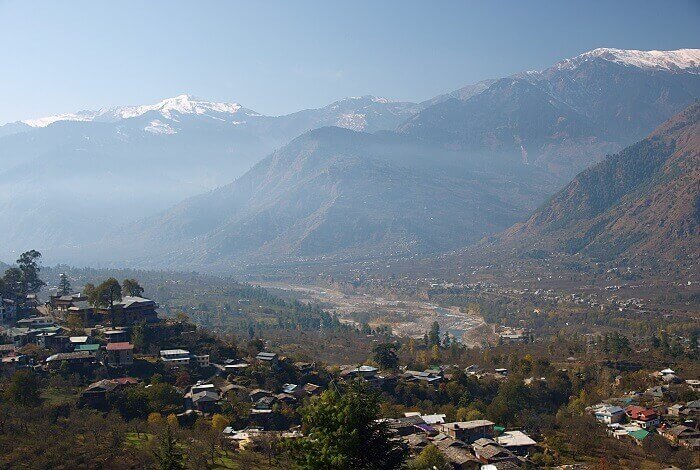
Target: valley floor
[[405, 317]]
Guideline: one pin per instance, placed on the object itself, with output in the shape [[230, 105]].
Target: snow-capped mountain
[[171, 109], [357, 113], [101, 168], [568, 116], [681, 60]]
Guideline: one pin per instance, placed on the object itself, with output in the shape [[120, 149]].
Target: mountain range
[[640, 204], [400, 178]]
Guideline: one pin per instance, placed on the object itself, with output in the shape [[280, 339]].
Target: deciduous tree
[[341, 431]]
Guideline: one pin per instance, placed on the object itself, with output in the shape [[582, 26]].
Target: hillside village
[[121, 356]]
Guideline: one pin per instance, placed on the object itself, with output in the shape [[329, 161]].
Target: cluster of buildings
[[97, 344], [76, 309], [465, 444], [636, 415]]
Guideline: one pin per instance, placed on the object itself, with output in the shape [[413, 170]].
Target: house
[[680, 435], [290, 388], [205, 402], [62, 303], [368, 373], [638, 436], [404, 426], [676, 410], [513, 338], [265, 403], [460, 458], [656, 392], [692, 407], [118, 335], [93, 348], [7, 350], [258, 393], [416, 442], [203, 387], [311, 389], [671, 379], [76, 340], [608, 414], [120, 354], [73, 359], [467, 431], [80, 312], [286, 398], [488, 451], [95, 395], [52, 340], [694, 384], [129, 311], [202, 360], [305, 367], [267, 358], [517, 442], [36, 322], [428, 419], [645, 418], [472, 369], [175, 357], [431, 376], [236, 369], [15, 362]]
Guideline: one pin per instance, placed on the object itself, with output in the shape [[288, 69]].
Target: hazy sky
[[281, 56]]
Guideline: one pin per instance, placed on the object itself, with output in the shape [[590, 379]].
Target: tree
[[29, 265], [430, 458], [24, 389], [131, 287], [105, 294], [155, 419], [434, 334], [172, 421], [163, 397], [64, 287], [218, 422], [339, 429], [168, 455], [385, 355], [14, 287]]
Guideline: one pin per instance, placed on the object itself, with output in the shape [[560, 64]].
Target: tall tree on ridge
[[64, 287]]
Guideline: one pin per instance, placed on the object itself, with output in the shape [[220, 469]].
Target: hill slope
[[334, 194], [643, 201]]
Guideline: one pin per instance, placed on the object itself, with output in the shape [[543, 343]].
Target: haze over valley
[[215, 186]]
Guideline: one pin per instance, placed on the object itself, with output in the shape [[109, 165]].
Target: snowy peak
[[168, 108], [681, 60], [182, 104]]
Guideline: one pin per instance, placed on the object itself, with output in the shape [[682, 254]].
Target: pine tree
[[64, 287], [167, 455]]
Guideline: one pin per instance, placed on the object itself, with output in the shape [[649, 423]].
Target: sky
[[277, 57]]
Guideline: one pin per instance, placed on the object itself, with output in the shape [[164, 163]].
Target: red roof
[[119, 346], [640, 413], [126, 381]]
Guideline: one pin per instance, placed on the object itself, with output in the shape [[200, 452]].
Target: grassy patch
[[53, 396]]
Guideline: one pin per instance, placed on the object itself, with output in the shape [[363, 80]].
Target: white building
[[608, 414], [175, 357]]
